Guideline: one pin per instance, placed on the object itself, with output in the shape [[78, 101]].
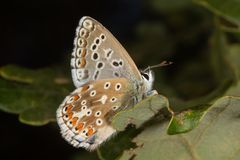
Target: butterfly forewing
[[98, 55], [85, 115]]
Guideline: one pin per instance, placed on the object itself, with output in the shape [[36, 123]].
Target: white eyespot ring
[[107, 85], [115, 108], [83, 33], [95, 56], [81, 42], [83, 102], [84, 107], [103, 37], [84, 132], [70, 100], [100, 65], [65, 109], [108, 53], [93, 93], [99, 122], [98, 114], [75, 130], [88, 112], [113, 99], [94, 47], [78, 63], [81, 52], [88, 24], [69, 123], [97, 41], [65, 117], [118, 86]]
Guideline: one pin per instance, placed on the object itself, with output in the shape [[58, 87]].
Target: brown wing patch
[[85, 113]]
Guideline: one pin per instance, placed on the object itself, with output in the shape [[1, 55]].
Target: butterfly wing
[[85, 115], [99, 55]]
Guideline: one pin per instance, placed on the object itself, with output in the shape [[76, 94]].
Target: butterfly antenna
[[163, 63]]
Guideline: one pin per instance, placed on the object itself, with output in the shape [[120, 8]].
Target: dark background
[[36, 34]]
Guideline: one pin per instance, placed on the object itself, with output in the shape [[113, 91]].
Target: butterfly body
[[107, 81]]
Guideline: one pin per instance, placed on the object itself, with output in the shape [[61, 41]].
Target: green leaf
[[33, 94], [216, 137], [186, 120], [140, 113], [119, 143]]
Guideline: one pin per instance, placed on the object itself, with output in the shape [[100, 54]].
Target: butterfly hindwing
[[85, 115], [98, 55]]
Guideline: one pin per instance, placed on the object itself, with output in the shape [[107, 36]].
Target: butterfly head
[[148, 79]]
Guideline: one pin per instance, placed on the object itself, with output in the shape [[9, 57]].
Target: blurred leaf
[[228, 9], [33, 94], [234, 59], [214, 138], [166, 5]]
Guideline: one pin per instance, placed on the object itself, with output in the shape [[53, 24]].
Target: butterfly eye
[[118, 86], [146, 76], [99, 122], [98, 113]]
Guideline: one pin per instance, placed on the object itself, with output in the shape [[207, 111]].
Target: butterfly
[[107, 81]]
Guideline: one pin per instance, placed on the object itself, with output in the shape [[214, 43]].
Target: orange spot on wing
[[83, 62], [74, 121], [70, 114], [83, 54], [85, 87], [80, 126], [76, 97], [69, 107], [90, 131]]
